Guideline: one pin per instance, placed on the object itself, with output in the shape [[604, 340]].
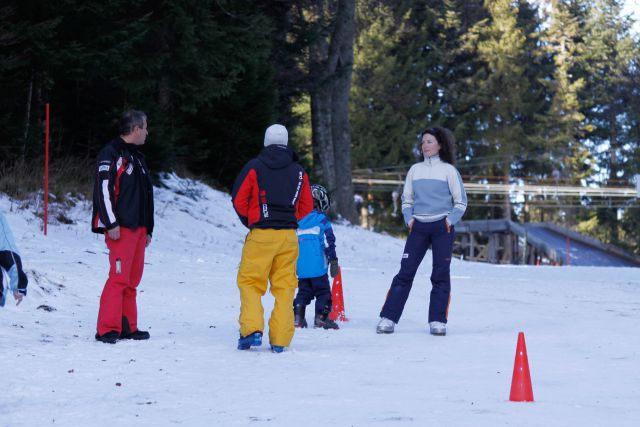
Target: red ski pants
[[126, 258]]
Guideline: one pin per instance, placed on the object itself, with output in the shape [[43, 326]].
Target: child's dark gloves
[[333, 267]]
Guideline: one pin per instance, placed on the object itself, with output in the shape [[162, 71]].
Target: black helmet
[[320, 194]]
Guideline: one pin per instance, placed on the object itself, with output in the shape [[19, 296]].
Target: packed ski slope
[[581, 327]]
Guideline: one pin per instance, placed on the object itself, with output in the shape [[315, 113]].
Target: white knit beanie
[[276, 135]]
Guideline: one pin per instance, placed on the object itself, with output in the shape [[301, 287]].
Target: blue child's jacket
[[314, 254]]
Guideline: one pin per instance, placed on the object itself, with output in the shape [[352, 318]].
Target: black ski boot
[[323, 321], [110, 337], [126, 333], [298, 316]]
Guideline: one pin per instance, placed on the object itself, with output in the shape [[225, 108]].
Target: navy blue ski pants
[[314, 287], [423, 235]]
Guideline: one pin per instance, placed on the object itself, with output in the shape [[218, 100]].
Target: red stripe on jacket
[[121, 170], [304, 205], [246, 201]]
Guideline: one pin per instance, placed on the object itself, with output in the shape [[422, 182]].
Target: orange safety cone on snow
[[337, 299], [521, 390]]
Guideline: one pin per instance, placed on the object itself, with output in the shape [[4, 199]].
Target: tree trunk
[[164, 93], [330, 69], [322, 135], [341, 126], [27, 120], [506, 207], [341, 131], [164, 83], [613, 171], [37, 105]]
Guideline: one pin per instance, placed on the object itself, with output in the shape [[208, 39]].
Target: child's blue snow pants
[[314, 287]]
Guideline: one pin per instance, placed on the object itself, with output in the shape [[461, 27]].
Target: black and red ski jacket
[[123, 190], [272, 190]]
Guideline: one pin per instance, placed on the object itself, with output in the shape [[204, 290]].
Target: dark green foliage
[[410, 74], [609, 62], [528, 94], [200, 70]]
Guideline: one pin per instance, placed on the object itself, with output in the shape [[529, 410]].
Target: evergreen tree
[[508, 95], [569, 161], [329, 27], [206, 78], [608, 58], [384, 94], [410, 74], [565, 121], [630, 221], [200, 70], [29, 59]]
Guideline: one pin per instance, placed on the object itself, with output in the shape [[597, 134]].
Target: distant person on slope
[[270, 196], [433, 201], [11, 264], [123, 212], [315, 257]]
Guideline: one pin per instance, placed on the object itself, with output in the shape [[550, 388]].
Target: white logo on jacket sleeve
[[295, 196], [104, 168], [130, 169]]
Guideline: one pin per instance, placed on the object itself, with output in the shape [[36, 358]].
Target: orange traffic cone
[[521, 390], [337, 299]]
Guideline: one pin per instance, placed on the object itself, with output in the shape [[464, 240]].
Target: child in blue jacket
[[313, 261], [11, 263]]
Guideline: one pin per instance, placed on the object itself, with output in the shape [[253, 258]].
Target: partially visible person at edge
[[123, 212], [433, 201], [11, 264], [270, 196]]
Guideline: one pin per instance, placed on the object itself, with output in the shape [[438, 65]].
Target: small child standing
[[313, 261], [11, 263]]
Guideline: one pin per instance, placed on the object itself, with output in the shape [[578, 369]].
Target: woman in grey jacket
[[433, 201]]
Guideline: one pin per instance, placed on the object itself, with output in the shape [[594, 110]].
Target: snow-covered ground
[[581, 327]]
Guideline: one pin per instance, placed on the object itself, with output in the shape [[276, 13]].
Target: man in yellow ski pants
[[270, 196]]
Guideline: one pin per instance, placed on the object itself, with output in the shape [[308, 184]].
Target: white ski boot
[[438, 328], [385, 326]]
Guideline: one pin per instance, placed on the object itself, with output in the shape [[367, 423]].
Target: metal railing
[[514, 189]]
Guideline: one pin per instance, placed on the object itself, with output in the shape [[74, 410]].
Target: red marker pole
[[46, 169]]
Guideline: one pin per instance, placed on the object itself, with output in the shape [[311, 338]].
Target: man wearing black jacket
[[123, 212], [270, 196]]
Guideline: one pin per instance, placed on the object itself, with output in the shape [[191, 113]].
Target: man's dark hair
[[130, 120]]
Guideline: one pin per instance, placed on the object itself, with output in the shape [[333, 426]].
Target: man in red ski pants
[[123, 211]]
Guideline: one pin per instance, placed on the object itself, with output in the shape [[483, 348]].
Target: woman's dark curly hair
[[447, 144]]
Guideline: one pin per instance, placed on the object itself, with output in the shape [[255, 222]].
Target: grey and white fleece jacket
[[433, 190]]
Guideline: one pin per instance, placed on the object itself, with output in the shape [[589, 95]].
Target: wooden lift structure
[[501, 241]]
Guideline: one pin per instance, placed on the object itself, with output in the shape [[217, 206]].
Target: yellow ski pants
[[271, 255]]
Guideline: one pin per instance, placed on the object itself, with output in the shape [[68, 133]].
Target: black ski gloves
[[333, 267]]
